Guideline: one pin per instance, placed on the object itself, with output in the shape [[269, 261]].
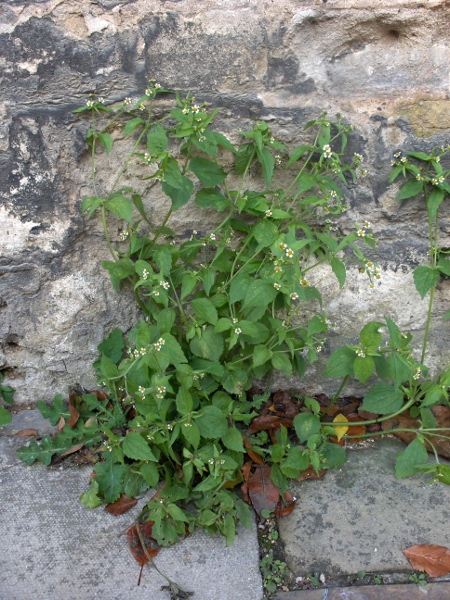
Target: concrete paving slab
[[54, 547], [361, 517], [433, 591]]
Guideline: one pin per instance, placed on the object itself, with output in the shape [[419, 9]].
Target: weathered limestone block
[[381, 64]]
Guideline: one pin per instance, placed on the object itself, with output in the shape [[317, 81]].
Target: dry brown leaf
[[24, 433], [256, 458], [263, 493], [310, 473], [405, 421], [67, 452], [74, 414], [268, 422], [433, 559], [136, 547], [121, 505], [61, 424]]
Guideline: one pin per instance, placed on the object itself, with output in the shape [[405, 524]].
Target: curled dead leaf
[[121, 505], [24, 433], [431, 558], [137, 550], [74, 414]]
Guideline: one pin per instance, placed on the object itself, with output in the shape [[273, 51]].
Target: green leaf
[[410, 189], [106, 141], [132, 124], [112, 346], [340, 363], [434, 394], [407, 461], [267, 162], [212, 423], [54, 412], [205, 310], [435, 199], [134, 446], [295, 463], [209, 345], [266, 233], [297, 154], [179, 195], [306, 182], [208, 172], [221, 140], [383, 399], [184, 401], [150, 473], [90, 497], [211, 198], [233, 440], [134, 484], [281, 362], [363, 368], [172, 173], [370, 336], [234, 381], [157, 140], [339, 270], [91, 204], [400, 369], [261, 354], [7, 393], [188, 283], [120, 206], [109, 477], [119, 270], [306, 425], [333, 455], [5, 416], [244, 156], [425, 277], [191, 435], [444, 265]]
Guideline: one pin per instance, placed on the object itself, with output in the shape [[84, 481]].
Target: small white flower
[[90, 103], [143, 351], [127, 101], [268, 213], [101, 100], [212, 236], [238, 331], [294, 296], [141, 389], [289, 252], [164, 284], [277, 286]]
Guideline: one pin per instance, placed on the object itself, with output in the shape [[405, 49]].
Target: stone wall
[[381, 64]]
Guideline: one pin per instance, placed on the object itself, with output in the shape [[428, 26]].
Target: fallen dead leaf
[[24, 433], [285, 506], [136, 548], [268, 422], [121, 505], [67, 452], [74, 414], [263, 493], [405, 421], [256, 458], [433, 559], [310, 473]]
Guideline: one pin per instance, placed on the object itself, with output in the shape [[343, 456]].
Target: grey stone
[[383, 66], [361, 518], [54, 547]]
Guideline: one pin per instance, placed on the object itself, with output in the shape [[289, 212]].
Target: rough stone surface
[[381, 64], [361, 518], [54, 547], [435, 591]]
